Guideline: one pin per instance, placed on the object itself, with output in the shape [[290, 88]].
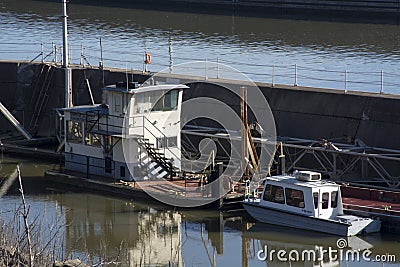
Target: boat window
[[171, 100], [172, 141], [167, 142], [315, 177], [334, 199], [315, 196], [161, 142], [325, 200], [92, 140], [294, 197], [122, 171], [144, 102], [117, 103], [274, 194], [167, 102], [75, 133]]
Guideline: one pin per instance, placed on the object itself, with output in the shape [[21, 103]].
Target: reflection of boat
[[301, 238], [150, 237], [304, 201], [272, 237]]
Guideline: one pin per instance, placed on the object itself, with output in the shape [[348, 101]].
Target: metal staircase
[[40, 91], [158, 164]]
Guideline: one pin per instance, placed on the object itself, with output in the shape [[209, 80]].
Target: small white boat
[[304, 201]]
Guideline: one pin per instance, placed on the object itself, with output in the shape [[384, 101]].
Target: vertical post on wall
[[42, 52], [295, 75], [205, 71], [273, 74], [217, 67], [55, 53], [81, 57], [345, 81], [170, 51], [381, 92], [52, 48], [243, 116], [101, 55], [101, 64], [69, 53], [68, 86]]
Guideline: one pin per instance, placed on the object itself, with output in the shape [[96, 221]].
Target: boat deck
[[176, 187], [372, 206]]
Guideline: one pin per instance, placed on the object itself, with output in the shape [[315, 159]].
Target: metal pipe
[[65, 33], [67, 77]]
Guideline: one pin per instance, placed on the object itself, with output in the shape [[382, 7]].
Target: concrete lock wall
[[353, 6], [299, 112], [32, 93]]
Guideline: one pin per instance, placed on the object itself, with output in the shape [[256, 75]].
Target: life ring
[[147, 58]]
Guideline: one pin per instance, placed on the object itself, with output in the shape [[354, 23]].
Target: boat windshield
[[167, 102], [274, 193], [294, 197], [334, 199]]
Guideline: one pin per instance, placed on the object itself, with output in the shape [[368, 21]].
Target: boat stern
[[358, 225]]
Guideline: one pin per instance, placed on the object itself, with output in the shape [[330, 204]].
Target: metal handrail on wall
[[379, 81]]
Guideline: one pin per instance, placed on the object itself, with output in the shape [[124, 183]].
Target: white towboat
[[304, 201]]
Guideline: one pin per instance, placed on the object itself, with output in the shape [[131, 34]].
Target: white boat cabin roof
[[135, 88], [292, 180]]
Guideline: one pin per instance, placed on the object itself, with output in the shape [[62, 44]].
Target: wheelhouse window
[[167, 142], [334, 199], [92, 140], [294, 197], [117, 103], [144, 102], [325, 200], [75, 132], [315, 197], [168, 102], [274, 194]]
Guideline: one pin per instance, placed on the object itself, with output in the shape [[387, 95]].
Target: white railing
[[381, 81]]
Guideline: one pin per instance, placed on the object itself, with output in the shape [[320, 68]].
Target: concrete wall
[[21, 85], [313, 114], [333, 6], [301, 112]]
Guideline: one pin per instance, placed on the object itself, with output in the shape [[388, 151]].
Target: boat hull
[[277, 217]]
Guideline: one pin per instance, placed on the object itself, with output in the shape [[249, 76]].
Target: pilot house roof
[[134, 88]]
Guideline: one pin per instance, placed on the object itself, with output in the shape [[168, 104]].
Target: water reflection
[[141, 234], [150, 236], [155, 236]]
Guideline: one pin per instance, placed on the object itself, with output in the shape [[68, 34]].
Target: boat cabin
[[303, 193], [134, 134]]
